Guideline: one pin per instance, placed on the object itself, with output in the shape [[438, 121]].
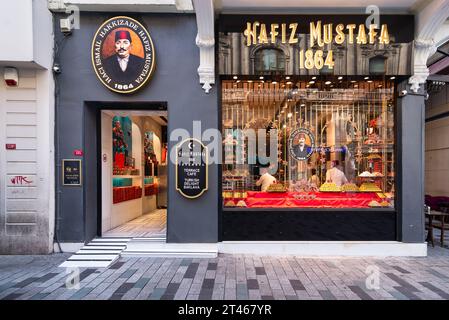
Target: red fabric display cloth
[[322, 199]]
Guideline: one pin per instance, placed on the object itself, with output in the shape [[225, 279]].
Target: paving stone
[[401, 281], [360, 292], [233, 277], [157, 294], [260, 271], [80, 293], [436, 290]]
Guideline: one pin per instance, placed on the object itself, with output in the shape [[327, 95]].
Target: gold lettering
[[250, 33], [274, 32], [263, 38], [361, 37], [293, 38], [340, 37], [284, 32], [372, 33], [327, 33], [256, 33], [384, 36], [351, 28], [315, 33]]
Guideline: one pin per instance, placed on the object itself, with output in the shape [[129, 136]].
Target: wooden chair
[[429, 228], [441, 223]]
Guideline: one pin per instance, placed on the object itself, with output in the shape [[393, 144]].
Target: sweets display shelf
[[150, 189], [121, 194], [256, 199]]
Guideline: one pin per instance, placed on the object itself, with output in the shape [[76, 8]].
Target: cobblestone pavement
[[230, 277]]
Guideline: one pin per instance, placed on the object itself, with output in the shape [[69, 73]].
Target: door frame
[[99, 106]]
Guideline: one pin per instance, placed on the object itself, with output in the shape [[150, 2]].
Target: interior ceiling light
[[261, 78], [287, 78], [392, 78], [313, 78], [340, 77], [235, 77], [366, 78], [289, 115], [327, 82], [311, 82]]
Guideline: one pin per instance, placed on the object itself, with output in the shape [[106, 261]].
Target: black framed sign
[[71, 172], [191, 168]]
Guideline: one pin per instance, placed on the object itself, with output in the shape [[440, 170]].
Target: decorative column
[[205, 40], [429, 20], [424, 48]]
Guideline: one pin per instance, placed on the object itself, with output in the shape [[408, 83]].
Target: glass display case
[[314, 143]]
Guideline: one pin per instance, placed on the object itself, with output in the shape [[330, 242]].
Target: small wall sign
[[11, 146], [78, 153], [71, 172], [191, 168]]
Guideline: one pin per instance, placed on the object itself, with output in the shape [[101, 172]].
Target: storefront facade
[[347, 129], [173, 88], [346, 103]]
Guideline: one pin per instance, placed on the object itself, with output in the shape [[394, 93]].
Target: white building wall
[[27, 120], [437, 145]]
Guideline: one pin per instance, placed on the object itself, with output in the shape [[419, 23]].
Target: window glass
[[325, 143], [269, 60]]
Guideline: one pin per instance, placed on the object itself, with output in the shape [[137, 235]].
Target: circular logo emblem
[[123, 54], [301, 144]]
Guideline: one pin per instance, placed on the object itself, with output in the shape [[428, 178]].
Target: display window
[[315, 142]]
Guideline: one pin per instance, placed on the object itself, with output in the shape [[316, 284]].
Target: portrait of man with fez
[[123, 67], [301, 150]]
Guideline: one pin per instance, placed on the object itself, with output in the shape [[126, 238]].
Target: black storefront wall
[[405, 223], [79, 97]]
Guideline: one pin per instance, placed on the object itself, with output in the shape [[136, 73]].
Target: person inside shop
[[335, 175], [314, 180], [265, 180], [123, 66]]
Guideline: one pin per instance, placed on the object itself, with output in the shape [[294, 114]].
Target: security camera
[[403, 93], [56, 68], [426, 97]]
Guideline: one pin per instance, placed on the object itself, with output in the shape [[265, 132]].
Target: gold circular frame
[[150, 74]]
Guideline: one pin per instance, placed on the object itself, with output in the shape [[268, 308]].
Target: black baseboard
[[310, 225]]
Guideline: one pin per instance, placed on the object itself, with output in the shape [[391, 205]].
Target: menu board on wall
[[191, 168], [71, 172]]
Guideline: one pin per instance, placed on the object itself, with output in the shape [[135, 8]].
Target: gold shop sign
[[319, 34]]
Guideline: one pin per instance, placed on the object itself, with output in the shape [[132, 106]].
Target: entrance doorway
[[134, 173]]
